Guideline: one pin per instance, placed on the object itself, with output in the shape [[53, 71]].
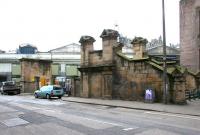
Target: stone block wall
[[179, 87], [131, 79], [190, 82], [96, 58], [96, 85], [30, 69]]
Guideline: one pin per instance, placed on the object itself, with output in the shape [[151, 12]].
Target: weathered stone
[[31, 73], [109, 74]]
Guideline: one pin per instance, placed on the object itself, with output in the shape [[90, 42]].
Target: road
[[25, 115]]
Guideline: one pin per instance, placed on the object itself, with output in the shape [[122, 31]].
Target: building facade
[[34, 74], [190, 34], [65, 61]]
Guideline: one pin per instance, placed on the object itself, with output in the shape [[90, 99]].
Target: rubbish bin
[[149, 96]]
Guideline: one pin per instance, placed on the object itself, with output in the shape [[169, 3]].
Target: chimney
[[109, 40], [139, 47], [86, 47]]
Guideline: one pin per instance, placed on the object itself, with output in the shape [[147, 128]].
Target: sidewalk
[[192, 108]]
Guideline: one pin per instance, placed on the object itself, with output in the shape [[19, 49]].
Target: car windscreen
[[57, 88], [9, 84]]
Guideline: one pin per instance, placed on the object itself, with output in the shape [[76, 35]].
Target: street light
[[165, 92]]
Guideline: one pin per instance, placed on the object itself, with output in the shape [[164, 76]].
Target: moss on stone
[[170, 70], [131, 59], [181, 69], [139, 40], [160, 63]]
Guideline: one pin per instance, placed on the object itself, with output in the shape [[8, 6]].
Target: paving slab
[[14, 122]]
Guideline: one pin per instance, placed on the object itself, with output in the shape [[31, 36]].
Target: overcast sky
[[49, 24]]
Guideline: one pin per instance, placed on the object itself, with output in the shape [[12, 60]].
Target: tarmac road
[[25, 115]]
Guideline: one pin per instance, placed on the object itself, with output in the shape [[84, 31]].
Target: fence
[[192, 94]]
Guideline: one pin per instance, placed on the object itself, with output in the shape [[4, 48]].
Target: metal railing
[[192, 94]]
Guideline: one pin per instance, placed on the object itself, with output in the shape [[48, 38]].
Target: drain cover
[[14, 122]]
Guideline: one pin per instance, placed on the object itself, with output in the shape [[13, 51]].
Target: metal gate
[[192, 94]]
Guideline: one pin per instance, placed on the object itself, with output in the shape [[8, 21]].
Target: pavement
[[191, 108]]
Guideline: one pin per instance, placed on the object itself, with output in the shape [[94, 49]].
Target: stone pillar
[[85, 85], [179, 90], [86, 47], [109, 39], [23, 76], [139, 47], [118, 47]]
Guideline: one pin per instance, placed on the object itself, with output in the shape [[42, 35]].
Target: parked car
[[49, 91], [9, 87]]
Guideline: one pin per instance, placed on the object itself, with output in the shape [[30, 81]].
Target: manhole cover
[[14, 122]]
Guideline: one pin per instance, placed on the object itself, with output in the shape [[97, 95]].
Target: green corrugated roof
[[55, 69], [71, 70]]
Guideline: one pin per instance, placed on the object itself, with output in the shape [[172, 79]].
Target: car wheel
[[2, 93], [36, 96], [48, 96], [59, 97]]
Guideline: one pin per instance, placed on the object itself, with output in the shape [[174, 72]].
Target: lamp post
[[165, 92]]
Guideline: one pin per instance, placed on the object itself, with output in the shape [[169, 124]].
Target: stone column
[[109, 39], [139, 47], [86, 47], [179, 89], [85, 85]]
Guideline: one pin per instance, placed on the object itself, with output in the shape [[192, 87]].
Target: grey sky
[[49, 24]]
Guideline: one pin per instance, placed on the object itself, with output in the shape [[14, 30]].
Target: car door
[[42, 91]]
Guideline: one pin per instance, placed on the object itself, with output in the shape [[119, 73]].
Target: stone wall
[[190, 82], [179, 87], [30, 70], [96, 85], [132, 78], [96, 58], [110, 74]]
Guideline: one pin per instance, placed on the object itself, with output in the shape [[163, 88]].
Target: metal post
[[165, 92]]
